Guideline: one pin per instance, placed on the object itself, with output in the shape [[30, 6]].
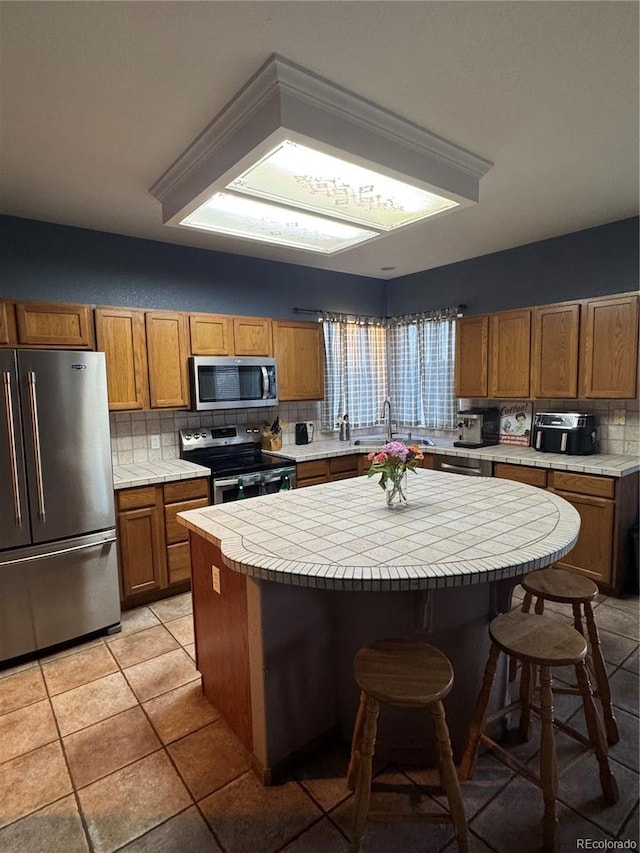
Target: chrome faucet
[[386, 407]]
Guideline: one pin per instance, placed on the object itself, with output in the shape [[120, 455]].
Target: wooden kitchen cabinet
[[472, 343], [55, 324], [167, 353], [509, 354], [298, 348], [8, 334], [252, 336], [120, 334], [312, 473], [521, 474], [211, 334], [143, 566], [153, 546], [554, 351], [609, 348], [180, 497], [608, 506], [344, 467]]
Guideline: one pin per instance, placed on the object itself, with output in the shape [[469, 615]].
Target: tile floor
[[110, 746]]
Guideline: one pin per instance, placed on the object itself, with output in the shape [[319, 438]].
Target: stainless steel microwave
[[229, 382]]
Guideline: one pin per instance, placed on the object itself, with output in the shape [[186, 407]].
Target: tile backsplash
[[135, 434]]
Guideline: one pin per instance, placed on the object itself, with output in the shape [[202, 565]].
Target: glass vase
[[396, 490]]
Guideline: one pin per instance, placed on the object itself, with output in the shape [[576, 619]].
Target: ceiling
[[98, 99]]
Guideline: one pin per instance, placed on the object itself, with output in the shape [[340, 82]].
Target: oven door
[[227, 489]]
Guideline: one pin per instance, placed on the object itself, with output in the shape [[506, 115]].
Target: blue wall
[[59, 263], [56, 263], [593, 262]]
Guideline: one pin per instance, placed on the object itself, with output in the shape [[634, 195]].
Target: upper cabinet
[[509, 354], [121, 335], [554, 351], [167, 353], [472, 336], [252, 336], [7, 324], [609, 348], [223, 334], [53, 324], [298, 348], [211, 334]]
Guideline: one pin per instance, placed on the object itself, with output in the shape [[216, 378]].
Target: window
[[410, 359]]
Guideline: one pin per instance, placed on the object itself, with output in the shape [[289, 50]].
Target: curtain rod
[[459, 309]]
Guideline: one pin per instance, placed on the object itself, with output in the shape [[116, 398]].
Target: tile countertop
[[453, 531], [149, 473], [606, 464]]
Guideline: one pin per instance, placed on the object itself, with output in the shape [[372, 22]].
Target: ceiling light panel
[[249, 219], [306, 178]]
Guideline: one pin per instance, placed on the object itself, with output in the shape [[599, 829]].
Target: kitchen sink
[[420, 440]]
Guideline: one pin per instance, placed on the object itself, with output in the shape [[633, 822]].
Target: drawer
[[521, 473], [583, 484], [136, 498], [344, 465], [185, 489], [179, 562], [175, 531], [317, 468]]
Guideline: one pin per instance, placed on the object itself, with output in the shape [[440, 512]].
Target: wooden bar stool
[[538, 641], [408, 675], [572, 588]]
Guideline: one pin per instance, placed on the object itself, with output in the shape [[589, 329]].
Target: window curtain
[[421, 369], [410, 359], [355, 374]]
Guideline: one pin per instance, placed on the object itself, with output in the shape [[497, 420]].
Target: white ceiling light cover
[[305, 178], [256, 220], [293, 158]]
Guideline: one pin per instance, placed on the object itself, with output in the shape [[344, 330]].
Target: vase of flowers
[[392, 462]]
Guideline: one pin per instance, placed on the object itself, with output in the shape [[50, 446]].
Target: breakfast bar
[[287, 587]]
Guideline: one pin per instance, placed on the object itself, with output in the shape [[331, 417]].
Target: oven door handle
[[249, 480]]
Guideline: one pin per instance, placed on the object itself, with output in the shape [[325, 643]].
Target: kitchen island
[[287, 587]]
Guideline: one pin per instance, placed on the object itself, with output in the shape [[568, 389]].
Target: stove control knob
[[187, 436]]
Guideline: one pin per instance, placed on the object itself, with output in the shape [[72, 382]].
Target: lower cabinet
[[329, 470], [608, 506], [153, 547]]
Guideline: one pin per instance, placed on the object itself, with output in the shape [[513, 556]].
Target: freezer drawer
[[57, 596]]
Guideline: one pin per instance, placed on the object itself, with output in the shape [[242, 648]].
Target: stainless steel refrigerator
[[58, 553]]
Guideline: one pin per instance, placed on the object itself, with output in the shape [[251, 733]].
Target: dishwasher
[[462, 465]]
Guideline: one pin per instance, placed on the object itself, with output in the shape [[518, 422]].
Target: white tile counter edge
[[603, 464], [150, 473]]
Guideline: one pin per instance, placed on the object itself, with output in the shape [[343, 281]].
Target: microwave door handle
[[265, 382]]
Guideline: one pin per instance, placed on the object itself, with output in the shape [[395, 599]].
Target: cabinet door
[[593, 552], [609, 348], [142, 559], [120, 334], [49, 324], [8, 335], [252, 336], [167, 353], [211, 334], [509, 354], [298, 349], [174, 531], [554, 356], [472, 341]]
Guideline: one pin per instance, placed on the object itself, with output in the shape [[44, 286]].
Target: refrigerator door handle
[[8, 408], [35, 434], [56, 552]]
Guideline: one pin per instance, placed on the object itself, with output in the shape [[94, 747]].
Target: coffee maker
[[478, 427]]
